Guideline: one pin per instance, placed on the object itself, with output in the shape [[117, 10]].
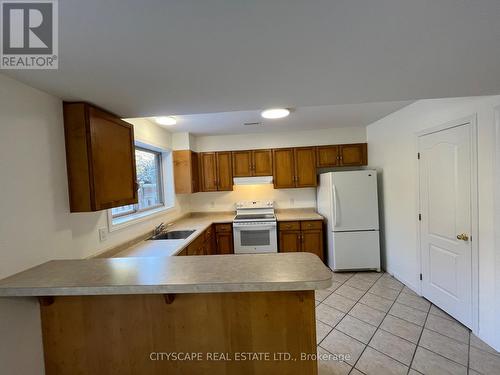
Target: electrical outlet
[[292, 202], [103, 234], [212, 204]]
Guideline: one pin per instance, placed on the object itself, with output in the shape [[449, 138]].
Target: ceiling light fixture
[[166, 120], [275, 113]]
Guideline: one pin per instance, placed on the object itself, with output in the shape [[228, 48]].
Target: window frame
[[160, 182], [167, 193]]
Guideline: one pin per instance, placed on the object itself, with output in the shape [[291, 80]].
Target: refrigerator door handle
[[334, 199]]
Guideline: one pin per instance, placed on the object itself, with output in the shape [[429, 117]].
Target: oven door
[[253, 238]]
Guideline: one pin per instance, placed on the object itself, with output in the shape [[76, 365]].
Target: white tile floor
[[387, 329]]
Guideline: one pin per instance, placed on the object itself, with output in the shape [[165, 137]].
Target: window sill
[[125, 221]]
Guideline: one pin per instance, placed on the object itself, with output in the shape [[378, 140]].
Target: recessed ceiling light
[[274, 113], [166, 120]]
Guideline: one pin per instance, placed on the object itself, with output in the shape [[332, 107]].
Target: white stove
[[254, 228]]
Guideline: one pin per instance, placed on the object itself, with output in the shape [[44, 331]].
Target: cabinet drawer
[[289, 225], [223, 228], [306, 225]]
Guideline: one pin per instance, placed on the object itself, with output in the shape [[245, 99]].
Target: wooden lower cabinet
[[289, 241], [224, 238], [129, 334], [301, 236], [216, 239]]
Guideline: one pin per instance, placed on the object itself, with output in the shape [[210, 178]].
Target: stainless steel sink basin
[[173, 235]]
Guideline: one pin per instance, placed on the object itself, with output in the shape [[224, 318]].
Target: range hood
[[253, 180]]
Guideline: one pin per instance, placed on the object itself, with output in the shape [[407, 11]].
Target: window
[[153, 196]]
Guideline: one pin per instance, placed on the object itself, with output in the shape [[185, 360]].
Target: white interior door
[[446, 223]]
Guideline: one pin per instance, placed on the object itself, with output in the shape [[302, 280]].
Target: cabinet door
[[113, 160], [289, 241], [224, 242], [262, 162], [354, 154], [305, 167], [327, 156], [312, 242], [284, 168], [224, 171], [242, 163], [195, 173], [208, 164], [182, 171]]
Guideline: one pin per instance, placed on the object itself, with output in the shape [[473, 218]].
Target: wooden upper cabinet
[[216, 171], [354, 154], [294, 167], [284, 168], [305, 167], [208, 164], [262, 162], [100, 158], [242, 163], [252, 163], [327, 156], [224, 171], [186, 177]]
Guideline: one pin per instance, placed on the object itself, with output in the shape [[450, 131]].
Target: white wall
[[283, 139], [225, 200], [392, 149], [35, 223]]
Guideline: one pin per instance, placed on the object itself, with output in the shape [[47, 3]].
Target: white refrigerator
[[349, 202]]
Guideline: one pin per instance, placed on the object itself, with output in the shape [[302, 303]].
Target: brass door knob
[[463, 237]]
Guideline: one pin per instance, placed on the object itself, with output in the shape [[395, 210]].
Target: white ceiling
[[154, 57], [303, 118]]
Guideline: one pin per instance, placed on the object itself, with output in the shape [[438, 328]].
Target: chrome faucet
[[160, 228]]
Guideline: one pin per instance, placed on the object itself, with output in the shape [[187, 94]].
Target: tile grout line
[[378, 327], [418, 341], [468, 357], [345, 314], [330, 331], [366, 345]]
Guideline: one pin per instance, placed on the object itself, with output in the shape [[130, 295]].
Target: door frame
[[472, 120]]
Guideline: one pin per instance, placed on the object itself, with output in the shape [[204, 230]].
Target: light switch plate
[[103, 234]]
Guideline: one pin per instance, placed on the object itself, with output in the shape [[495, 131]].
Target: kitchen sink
[[173, 235]]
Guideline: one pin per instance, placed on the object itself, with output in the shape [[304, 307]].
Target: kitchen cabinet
[[307, 236], [284, 168], [186, 172], [197, 247], [294, 167], [224, 171], [100, 158], [305, 167], [327, 156], [224, 238], [216, 171], [252, 163], [341, 155], [353, 154], [210, 245]]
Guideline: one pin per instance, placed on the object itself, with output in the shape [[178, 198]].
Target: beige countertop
[[199, 222], [298, 214], [193, 274]]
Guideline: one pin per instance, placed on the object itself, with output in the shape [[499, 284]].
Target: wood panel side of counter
[[116, 334]]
